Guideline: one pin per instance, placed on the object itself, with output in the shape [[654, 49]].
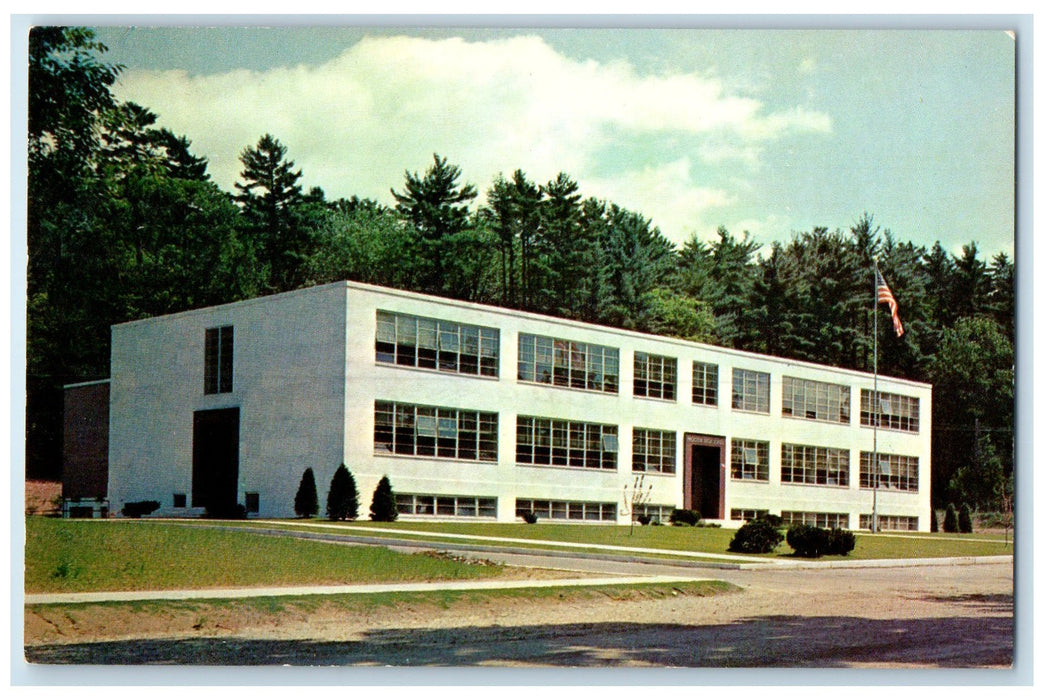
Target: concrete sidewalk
[[229, 593]]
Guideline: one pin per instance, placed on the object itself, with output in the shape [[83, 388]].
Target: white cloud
[[385, 105]]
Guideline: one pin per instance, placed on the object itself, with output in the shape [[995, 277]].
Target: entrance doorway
[[215, 459], [704, 489]]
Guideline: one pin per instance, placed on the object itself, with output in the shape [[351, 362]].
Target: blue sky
[[767, 131]]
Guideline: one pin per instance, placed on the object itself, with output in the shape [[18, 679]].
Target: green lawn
[[687, 539], [85, 555]]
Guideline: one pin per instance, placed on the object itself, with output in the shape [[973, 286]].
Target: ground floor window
[[455, 506], [907, 523], [747, 514], [656, 513], [565, 510], [827, 520]]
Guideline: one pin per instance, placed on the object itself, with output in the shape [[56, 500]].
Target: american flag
[[884, 296]]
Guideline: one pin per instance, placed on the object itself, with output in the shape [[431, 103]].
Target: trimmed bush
[[756, 537], [342, 502], [226, 511], [808, 540], [382, 508], [950, 519], [964, 519], [306, 502], [935, 520], [529, 516], [681, 516], [773, 520], [136, 509], [644, 519], [840, 541]]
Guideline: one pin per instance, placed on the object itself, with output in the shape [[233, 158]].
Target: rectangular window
[[451, 506], [253, 502], [554, 442], [805, 398], [749, 459], [653, 451], [217, 360], [428, 343], [905, 523], [896, 472], [750, 390], [566, 510], [179, 500], [705, 383], [894, 411], [747, 514], [434, 431], [824, 520], [819, 466], [655, 376], [568, 364]]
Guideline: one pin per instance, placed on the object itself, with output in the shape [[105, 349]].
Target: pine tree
[[950, 519], [964, 519], [382, 509], [342, 503], [306, 502]]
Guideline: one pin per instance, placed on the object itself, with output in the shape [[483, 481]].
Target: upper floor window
[[750, 390], [805, 398], [567, 363], [749, 459], [217, 361], [705, 383], [897, 472], [807, 464], [652, 451], [655, 376], [554, 442], [412, 341], [434, 431], [894, 411]]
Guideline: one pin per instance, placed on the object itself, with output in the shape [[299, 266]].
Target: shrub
[[226, 511], [935, 520], [342, 502], [644, 519], [840, 541], [808, 540], [136, 509], [964, 519], [529, 516], [950, 519], [773, 520], [306, 502], [382, 508], [756, 537], [681, 516]]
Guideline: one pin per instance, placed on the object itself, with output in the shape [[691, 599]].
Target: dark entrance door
[[704, 489], [215, 459]]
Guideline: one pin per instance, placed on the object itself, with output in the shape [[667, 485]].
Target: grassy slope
[[71, 555]]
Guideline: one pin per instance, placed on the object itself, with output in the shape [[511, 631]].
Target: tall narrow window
[[217, 361], [750, 390], [705, 383]]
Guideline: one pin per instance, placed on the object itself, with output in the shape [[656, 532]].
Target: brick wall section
[[85, 441]]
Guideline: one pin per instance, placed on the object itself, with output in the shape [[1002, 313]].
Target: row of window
[[565, 510], [456, 506], [434, 431], [568, 363], [429, 343]]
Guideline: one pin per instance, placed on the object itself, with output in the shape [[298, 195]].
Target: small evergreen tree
[[342, 503], [306, 502], [950, 519], [382, 509], [935, 520], [964, 518]]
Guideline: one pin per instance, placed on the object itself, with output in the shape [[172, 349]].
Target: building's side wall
[[288, 383], [369, 381], [85, 441]]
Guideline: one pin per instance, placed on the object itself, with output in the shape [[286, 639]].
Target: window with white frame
[[434, 431], [655, 376], [565, 443], [903, 523], [653, 451], [565, 510], [805, 398], [824, 520], [446, 506], [705, 383], [750, 390], [217, 360], [897, 472], [894, 411], [747, 514], [446, 346], [568, 363], [808, 464], [749, 459]]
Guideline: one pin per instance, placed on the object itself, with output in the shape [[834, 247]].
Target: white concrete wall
[[287, 380]]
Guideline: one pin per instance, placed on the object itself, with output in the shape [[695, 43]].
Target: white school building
[[481, 413]]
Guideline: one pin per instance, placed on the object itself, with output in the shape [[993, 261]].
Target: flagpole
[[877, 405]]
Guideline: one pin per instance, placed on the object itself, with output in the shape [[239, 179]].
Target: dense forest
[[124, 222]]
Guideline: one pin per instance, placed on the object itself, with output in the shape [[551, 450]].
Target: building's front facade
[[482, 413]]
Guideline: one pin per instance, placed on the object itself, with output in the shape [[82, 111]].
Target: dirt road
[[921, 617]]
